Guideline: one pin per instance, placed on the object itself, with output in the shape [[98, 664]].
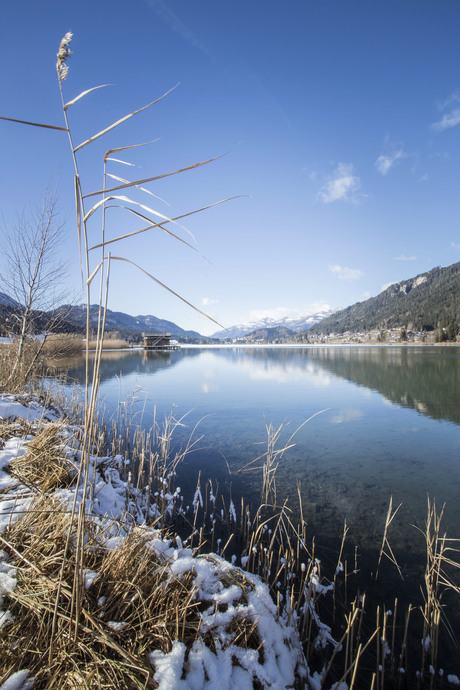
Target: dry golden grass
[[134, 587], [17, 428], [63, 345], [44, 465], [26, 369], [109, 344]]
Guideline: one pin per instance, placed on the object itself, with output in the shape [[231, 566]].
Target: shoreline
[[184, 346]]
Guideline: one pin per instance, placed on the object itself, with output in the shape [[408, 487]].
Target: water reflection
[[121, 363], [426, 379], [391, 425]]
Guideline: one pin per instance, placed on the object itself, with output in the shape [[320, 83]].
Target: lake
[[389, 425]]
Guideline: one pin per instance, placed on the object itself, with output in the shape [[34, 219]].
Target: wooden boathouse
[[157, 341]]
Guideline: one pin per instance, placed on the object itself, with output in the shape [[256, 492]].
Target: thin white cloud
[[343, 185], [404, 257], [451, 117], [315, 307], [346, 416], [207, 301], [348, 274], [449, 120], [385, 163], [275, 313], [387, 285], [278, 313], [455, 245], [366, 294], [165, 13]]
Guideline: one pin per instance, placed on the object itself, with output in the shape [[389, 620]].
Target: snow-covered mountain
[[297, 324]]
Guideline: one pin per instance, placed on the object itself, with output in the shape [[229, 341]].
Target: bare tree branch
[[34, 274]]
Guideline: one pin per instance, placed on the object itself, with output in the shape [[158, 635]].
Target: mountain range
[[424, 303], [126, 324], [68, 318], [7, 301], [297, 325]]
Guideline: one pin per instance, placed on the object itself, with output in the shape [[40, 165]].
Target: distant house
[[157, 341]]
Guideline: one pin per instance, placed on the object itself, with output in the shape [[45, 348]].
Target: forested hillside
[[425, 302]]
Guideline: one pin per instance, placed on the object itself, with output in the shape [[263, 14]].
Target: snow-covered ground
[[229, 665]]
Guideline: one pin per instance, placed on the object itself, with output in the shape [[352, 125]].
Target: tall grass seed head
[[62, 55]]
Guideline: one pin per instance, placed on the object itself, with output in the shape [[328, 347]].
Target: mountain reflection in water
[[391, 424]]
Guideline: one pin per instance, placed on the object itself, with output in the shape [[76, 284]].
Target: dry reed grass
[[63, 345], [109, 344], [344, 635], [133, 606], [45, 573], [26, 370], [45, 466]]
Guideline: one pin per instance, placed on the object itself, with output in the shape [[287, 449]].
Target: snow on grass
[[18, 681], [22, 407], [229, 597]]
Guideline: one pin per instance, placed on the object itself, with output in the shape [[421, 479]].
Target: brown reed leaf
[[123, 119], [125, 148], [160, 225], [151, 179], [33, 124], [149, 275], [82, 94]]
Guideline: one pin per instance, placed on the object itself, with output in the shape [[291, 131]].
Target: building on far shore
[[157, 341]]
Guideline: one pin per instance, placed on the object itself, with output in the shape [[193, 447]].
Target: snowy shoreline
[[242, 637], [215, 580]]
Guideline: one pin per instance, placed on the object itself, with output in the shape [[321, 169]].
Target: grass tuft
[[133, 604], [44, 466]]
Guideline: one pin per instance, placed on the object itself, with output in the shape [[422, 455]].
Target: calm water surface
[[389, 425]]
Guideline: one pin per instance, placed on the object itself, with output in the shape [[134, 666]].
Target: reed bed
[[130, 600], [109, 344], [32, 362], [26, 370], [63, 345], [347, 631], [347, 635], [93, 653]]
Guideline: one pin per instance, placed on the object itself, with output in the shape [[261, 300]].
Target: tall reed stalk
[[90, 202]]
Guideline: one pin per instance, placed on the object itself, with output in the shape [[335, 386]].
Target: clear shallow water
[[390, 425]]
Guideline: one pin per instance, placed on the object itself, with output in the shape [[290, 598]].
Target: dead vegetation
[[129, 600], [45, 466], [63, 345], [26, 368], [133, 606], [89, 652], [109, 344], [130, 603]]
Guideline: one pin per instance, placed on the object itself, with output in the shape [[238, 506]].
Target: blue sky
[[339, 122]]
